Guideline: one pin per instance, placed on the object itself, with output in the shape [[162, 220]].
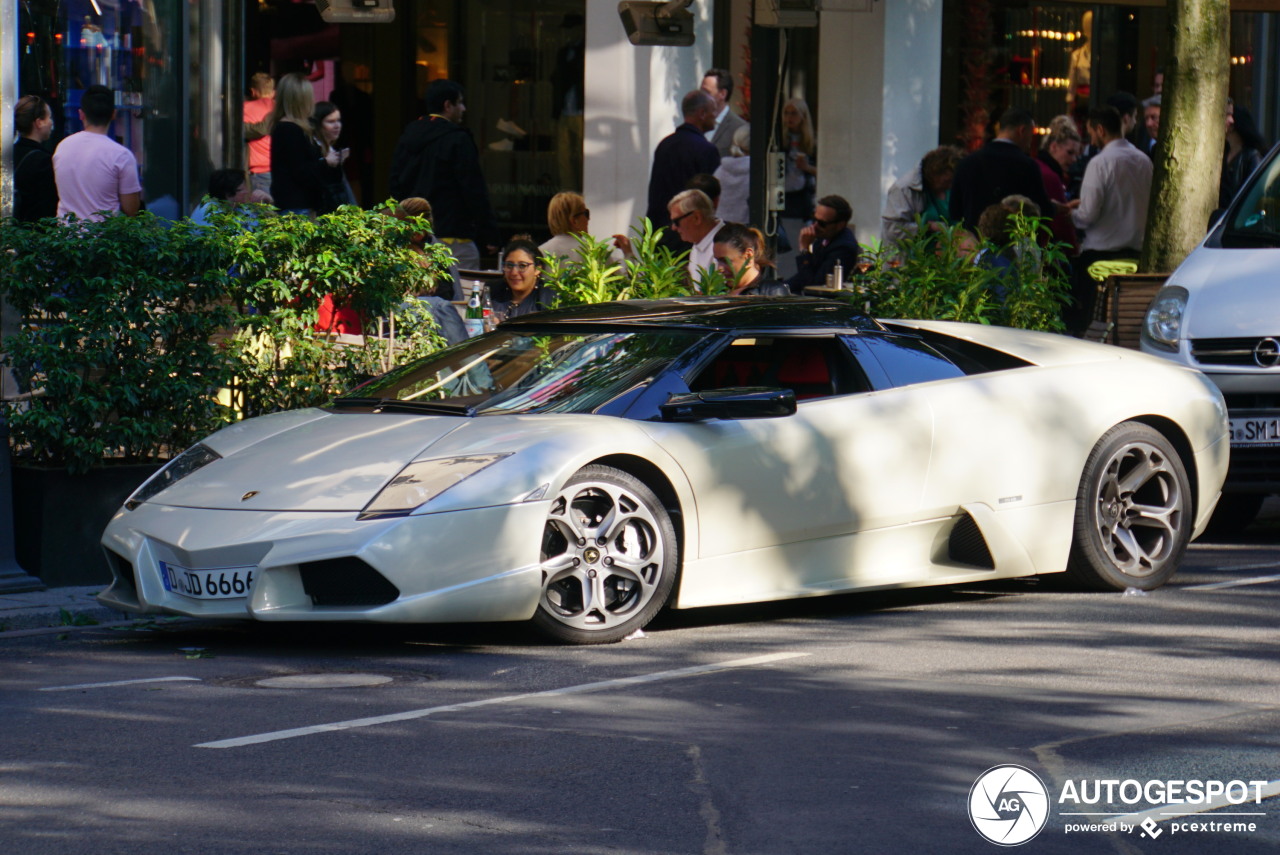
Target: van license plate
[[1255, 430]]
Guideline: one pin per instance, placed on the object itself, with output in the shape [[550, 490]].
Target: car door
[[780, 500]]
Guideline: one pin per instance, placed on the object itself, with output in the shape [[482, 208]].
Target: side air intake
[[346, 582], [967, 545]]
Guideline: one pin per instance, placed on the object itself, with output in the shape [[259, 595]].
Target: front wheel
[[1133, 512], [609, 558]]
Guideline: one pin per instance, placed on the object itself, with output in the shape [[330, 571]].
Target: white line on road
[[507, 699], [1235, 583], [117, 683]]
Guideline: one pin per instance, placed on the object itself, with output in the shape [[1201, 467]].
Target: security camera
[[649, 23], [357, 11]]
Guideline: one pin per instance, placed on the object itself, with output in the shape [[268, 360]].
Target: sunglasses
[[585, 213], [676, 220], [822, 224], [517, 265]]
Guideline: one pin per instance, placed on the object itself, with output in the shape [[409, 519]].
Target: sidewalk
[[56, 607]]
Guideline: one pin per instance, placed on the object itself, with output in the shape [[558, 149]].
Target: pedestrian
[[257, 129], [326, 125], [1244, 149], [437, 159], [1058, 151], [521, 292], [228, 190], [799, 181], [693, 218], [1151, 121], [1111, 210], [35, 190], [740, 253], [827, 241], [297, 163], [718, 83], [680, 156], [95, 175], [1000, 168], [921, 197], [734, 174], [567, 216]]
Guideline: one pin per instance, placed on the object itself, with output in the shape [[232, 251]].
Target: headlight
[[195, 457], [423, 480], [1163, 325]]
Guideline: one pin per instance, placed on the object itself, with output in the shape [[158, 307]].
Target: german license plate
[[220, 583], [1261, 429]]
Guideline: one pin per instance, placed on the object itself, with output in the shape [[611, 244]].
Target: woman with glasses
[[520, 292], [568, 216]]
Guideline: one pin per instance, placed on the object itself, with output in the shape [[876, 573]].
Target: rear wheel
[[609, 558], [1133, 512]]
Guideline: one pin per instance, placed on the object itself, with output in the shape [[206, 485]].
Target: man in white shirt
[[1112, 208], [94, 173], [693, 218], [718, 83]]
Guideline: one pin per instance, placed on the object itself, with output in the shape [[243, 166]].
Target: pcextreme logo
[[1008, 805]]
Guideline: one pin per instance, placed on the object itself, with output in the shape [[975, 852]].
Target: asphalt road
[[844, 724]]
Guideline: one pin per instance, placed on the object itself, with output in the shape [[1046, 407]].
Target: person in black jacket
[[298, 165], [1000, 168], [740, 253], [37, 193], [438, 160], [826, 240]]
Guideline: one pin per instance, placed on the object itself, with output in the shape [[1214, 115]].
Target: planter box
[[58, 520]]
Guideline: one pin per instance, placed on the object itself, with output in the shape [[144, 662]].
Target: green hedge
[[132, 325]]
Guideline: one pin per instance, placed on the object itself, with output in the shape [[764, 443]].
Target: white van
[[1219, 312]]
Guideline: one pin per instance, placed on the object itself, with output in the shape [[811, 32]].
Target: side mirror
[[735, 403]]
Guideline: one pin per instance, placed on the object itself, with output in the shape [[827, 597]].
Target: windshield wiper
[[391, 405]]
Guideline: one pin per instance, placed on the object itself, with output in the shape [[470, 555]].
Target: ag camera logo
[[1008, 805]]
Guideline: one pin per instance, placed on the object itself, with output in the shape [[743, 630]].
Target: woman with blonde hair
[[800, 181], [297, 162], [568, 215]]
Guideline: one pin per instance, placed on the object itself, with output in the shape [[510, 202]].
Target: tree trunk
[[1192, 132]]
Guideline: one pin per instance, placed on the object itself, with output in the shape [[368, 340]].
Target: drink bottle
[[475, 313]]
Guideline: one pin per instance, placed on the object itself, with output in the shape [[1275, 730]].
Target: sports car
[[584, 468]]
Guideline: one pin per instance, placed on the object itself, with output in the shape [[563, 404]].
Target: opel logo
[[249, 495], [1267, 353]]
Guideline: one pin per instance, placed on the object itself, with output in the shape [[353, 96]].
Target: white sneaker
[[502, 145], [509, 127]]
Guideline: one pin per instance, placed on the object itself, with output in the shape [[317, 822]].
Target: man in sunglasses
[[693, 218], [824, 242]]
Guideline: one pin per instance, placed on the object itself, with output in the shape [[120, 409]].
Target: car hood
[[1231, 292], [307, 460]]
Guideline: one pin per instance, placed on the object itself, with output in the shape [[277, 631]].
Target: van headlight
[[1163, 326]]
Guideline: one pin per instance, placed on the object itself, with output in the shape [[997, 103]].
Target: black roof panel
[[712, 313]]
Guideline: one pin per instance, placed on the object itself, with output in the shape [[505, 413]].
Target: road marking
[[1235, 583], [117, 683], [1164, 813], [507, 699]]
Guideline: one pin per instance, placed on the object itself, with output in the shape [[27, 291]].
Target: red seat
[[805, 372]]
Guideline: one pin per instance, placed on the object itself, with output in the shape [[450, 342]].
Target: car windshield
[[508, 372], [1256, 222]]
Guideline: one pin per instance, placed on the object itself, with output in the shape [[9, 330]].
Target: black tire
[[609, 558], [1133, 512], [1234, 513]]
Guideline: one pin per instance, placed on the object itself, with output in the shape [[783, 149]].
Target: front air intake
[[346, 582]]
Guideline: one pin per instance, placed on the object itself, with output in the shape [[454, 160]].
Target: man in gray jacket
[[718, 83]]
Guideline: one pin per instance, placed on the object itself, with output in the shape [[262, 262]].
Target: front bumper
[[472, 565]]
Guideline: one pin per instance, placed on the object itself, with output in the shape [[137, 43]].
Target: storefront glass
[[168, 84]]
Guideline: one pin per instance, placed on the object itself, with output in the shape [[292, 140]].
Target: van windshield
[[1256, 220]]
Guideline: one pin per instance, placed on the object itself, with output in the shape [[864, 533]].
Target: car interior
[[812, 367]]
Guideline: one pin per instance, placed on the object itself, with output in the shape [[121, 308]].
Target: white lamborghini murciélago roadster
[[583, 468]]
